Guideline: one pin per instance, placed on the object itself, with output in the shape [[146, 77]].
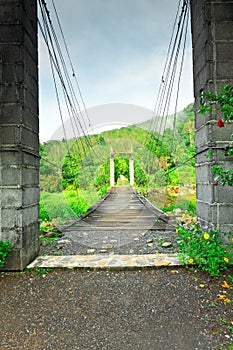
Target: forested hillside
[[75, 173]]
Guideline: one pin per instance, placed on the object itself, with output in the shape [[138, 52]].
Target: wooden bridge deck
[[124, 209]]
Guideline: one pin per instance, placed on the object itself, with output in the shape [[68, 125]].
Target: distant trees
[[81, 168]]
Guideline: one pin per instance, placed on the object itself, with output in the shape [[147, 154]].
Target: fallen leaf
[[227, 300], [225, 285], [221, 296], [214, 330]]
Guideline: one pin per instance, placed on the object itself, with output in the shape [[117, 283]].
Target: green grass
[[186, 205], [55, 205], [66, 205]]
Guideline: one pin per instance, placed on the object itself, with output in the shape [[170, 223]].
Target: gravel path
[[111, 242], [145, 309], [161, 309]]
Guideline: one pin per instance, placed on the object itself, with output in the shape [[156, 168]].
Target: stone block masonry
[[212, 37], [19, 128]]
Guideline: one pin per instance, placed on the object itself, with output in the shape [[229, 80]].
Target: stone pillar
[[131, 169], [112, 170], [19, 142], [212, 37]]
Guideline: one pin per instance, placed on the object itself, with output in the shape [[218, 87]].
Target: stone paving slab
[[105, 261]]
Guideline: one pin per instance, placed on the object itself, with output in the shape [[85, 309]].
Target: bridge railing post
[[131, 169], [112, 170]]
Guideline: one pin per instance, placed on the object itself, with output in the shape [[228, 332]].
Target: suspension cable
[[71, 100], [162, 106], [171, 73], [71, 64]]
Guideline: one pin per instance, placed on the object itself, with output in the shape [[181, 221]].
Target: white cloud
[[118, 48]]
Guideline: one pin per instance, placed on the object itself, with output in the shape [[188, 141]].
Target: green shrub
[[186, 205], [55, 206], [103, 190], [204, 247], [43, 213], [50, 183], [66, 205], [76, 202], [5, 249]]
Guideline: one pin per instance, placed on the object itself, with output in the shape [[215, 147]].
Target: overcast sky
[[118, 49]]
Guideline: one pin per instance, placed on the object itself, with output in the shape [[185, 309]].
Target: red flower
[[220, 123]]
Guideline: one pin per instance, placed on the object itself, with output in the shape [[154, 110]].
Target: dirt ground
[[146, 309]]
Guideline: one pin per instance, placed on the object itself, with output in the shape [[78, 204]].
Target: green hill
[[77, 171]]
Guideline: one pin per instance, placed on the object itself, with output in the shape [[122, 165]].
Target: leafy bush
[[103, 177], [140, 178], [204, 247], [76, 202], [43, 213], [192, 207], [5, 249], [50, 183], [54, 205], [172, 177], [186, 205], [66, 205], [103, 190]]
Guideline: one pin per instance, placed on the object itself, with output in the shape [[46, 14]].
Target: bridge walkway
[[124, 209], [122, 223]]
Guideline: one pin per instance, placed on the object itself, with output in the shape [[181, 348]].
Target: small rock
[[64, 241], [177, 211], [150, 240], [103, 251], [166, 244], [131, 251], [59, 247], [150, 245], [90, 251], [107, 246]]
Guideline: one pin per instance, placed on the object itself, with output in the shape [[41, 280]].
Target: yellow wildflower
[[206, 235], [189, 238], [191, 261], [226, 260], [177, 230]]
